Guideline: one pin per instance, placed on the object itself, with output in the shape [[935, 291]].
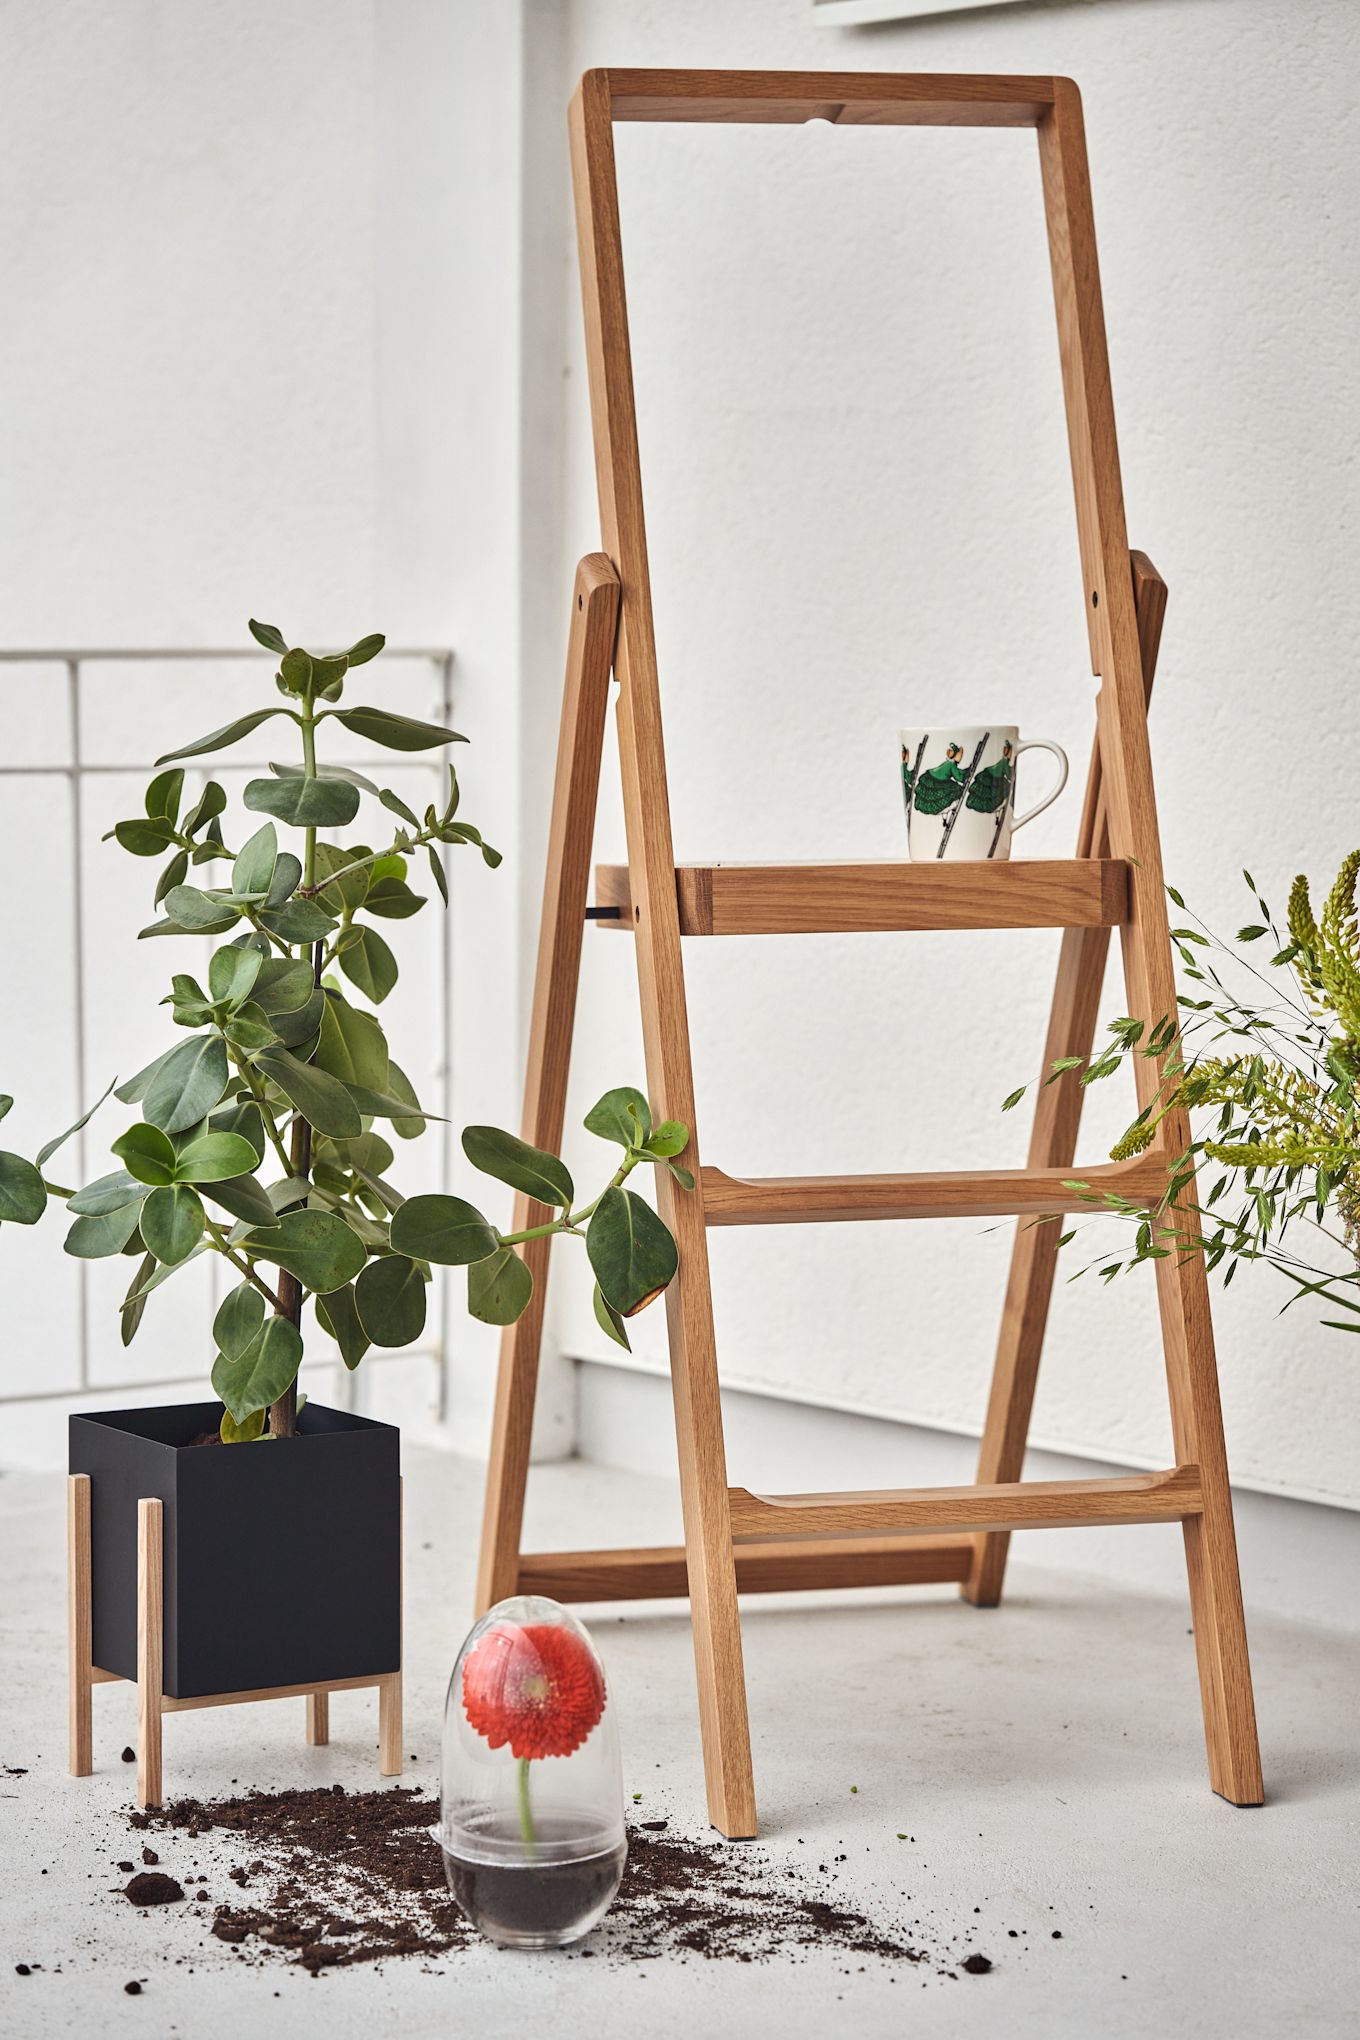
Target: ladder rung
[[776, 1567], [886, 896], [959, 1193], [1013, 1505]]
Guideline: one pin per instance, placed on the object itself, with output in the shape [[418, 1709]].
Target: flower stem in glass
[[526, 1817]]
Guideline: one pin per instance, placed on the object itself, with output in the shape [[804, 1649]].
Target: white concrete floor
[[1045, 1760]]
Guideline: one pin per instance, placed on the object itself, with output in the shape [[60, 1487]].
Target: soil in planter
[[329, 1878]]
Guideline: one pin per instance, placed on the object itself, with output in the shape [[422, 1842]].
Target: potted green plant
[[1275, 1053], [261, 1136]]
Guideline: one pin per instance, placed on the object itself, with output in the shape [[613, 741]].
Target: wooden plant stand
[[735, 1541], [152, 1700]]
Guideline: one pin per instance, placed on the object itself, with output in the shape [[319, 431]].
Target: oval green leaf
[[298, 921], [244, 1197], [145, 839], [230, 733], [447, 1230], [163, 795], [23, 1195], [397, 732], [148, 1154], [368, 963], [239, 1319], [108, 1193], [232, 973], [204, 913], [390, 1299], [315, 1246], [260, 1375], [631, 1251], [323, 1101], [172, 1223], [215, 1158], [608, 1319], [511, 1160], [353, 1047], [499, 1288], [95, 1239], [283, 986], [336, 1314], [622, 1115], [187, 1084], [253, 871], [305, 803]]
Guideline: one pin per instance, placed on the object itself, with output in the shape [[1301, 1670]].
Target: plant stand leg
[[79, 1624], [319, 1717], [150, 1648], [590, 651], [389, 1726]]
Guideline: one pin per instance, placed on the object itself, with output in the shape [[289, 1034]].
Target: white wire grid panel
[[79, 998]]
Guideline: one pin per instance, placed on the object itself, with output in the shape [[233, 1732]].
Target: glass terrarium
[[532, 1804]]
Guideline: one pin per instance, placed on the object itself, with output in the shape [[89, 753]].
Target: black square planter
[[282, 1560]]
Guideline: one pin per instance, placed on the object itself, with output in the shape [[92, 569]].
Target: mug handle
[[1041, 744]]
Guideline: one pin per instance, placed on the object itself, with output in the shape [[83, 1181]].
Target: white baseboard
[[1299, 1559]]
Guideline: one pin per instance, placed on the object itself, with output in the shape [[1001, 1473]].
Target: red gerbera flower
[[538, 1688]]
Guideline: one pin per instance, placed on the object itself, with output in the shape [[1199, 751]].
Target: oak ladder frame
[[734, 1541]]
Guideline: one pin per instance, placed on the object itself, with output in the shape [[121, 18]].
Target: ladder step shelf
[[886, 896], [949, 1193], [777, 1566], [1167, 1497]]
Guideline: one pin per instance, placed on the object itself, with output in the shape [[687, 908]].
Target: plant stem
[[398, 848], [239, 1261], [572, 1221], [267, 1118], [526, 1816], [283, 1413]]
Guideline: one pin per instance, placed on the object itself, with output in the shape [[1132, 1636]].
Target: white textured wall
[[860, 516], [258, 358], [292, 323]]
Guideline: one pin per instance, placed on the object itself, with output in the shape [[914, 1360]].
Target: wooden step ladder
[[737, 1542]]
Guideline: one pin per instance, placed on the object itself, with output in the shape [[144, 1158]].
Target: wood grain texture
[[585, 699], [790, 1565], [79, 1627], [192, 1702], [1013, 1505], [1182, 1286], [1116, 880], [651, 863], [883, 896], [958, 1193], [318, 1705], [1053, 1144], [847, 98], [150, 1647]]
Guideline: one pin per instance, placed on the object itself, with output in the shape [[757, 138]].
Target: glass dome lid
[[532, 1824]]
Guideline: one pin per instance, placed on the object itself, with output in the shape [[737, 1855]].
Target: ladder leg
[[1210, 1539], [1182, 1285], [590, 651], [656, 928], [1053, 1144]]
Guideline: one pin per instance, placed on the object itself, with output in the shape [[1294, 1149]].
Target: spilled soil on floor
[[328, 1878]]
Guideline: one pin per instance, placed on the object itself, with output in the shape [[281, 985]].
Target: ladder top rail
[[844, 98]]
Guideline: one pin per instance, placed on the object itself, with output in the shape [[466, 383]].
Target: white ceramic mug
[[958, 785]]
